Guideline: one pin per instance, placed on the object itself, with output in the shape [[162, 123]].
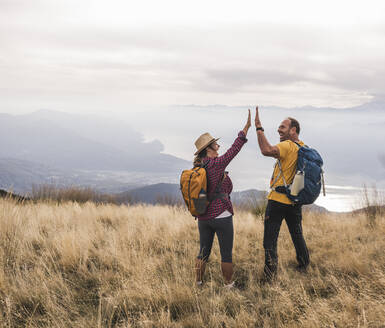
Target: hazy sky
[[94, 55]]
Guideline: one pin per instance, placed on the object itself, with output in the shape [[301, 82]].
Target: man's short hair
[[294, 123]]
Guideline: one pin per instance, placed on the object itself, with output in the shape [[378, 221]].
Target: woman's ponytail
[[198, 160]]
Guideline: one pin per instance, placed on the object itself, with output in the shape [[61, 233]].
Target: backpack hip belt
[[218, 195]]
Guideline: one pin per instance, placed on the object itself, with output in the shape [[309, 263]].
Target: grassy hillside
[[89, 265]]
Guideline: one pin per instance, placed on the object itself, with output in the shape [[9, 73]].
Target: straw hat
[[203, 141]]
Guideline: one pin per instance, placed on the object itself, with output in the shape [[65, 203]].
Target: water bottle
[[298, 183]]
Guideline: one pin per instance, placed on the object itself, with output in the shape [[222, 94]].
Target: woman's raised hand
[[248, 123]]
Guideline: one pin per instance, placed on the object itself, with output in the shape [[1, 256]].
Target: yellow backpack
[[193, 185]]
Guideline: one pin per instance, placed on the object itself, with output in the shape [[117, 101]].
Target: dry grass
[[90, 265]]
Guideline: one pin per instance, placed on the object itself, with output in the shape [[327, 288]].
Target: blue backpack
[[310, 174]]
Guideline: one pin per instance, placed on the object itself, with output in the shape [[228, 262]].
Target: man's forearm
[[264, 144]]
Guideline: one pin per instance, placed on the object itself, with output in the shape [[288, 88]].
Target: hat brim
[[206, 145]]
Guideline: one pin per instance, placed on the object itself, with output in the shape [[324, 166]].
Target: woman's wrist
[[243, 134]]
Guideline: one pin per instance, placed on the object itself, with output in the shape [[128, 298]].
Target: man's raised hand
[[257, 120], [248, 123]]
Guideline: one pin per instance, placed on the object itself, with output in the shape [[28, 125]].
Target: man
[[279, 206]]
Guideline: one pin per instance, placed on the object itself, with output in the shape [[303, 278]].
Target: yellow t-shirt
[[288, 151]]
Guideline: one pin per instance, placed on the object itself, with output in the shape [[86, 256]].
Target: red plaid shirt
[[215, 169]]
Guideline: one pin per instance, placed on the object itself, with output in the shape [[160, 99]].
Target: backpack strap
[[281, 173], [299, 146], [217, 194], [204, 165], [278, 175]]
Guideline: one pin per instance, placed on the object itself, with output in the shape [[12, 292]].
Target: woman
[[218, 218]]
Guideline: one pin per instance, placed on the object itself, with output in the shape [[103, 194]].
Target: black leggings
[[223, 227]]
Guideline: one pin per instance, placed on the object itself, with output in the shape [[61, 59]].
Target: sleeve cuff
[[242, 135]]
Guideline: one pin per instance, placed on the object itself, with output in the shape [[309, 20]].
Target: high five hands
[[257, 121]]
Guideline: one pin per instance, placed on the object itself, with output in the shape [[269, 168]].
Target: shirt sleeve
[[225, 159], [284, 148]]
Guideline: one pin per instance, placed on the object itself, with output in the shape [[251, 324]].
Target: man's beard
[[284, 137]]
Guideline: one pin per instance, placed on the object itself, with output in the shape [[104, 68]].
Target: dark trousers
[[275, 213]]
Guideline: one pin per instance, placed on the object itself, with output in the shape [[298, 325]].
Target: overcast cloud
[[89, 55]]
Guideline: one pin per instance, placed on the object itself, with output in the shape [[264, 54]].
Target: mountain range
[[68, 141], [67, 149], [167, 193]]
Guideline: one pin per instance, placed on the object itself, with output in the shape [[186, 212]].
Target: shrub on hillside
[[168, 199], [254, 204], [72, 193], [373, 204]]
